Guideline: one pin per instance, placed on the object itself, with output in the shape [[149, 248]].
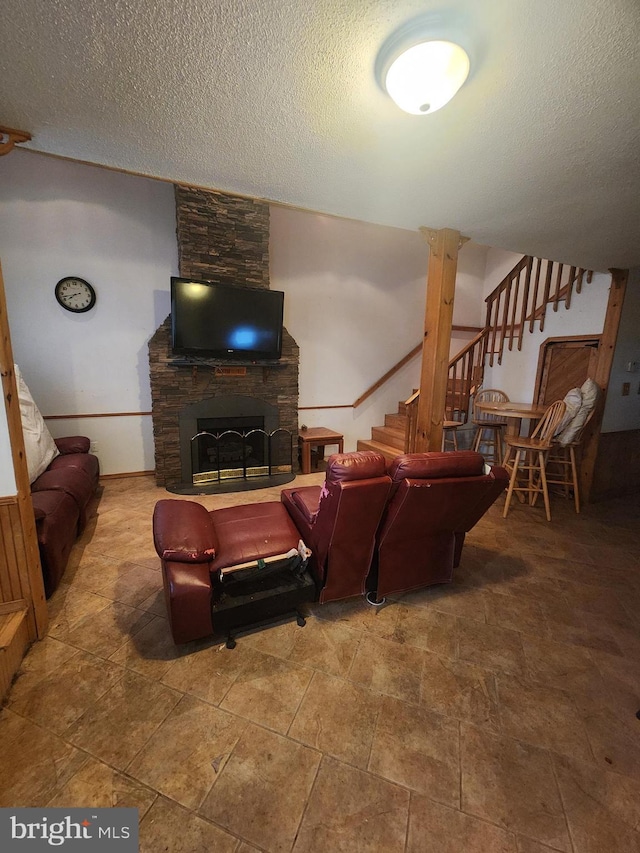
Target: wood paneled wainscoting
[[617, 468]]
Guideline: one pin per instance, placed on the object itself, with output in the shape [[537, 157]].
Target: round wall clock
[[75, 294]]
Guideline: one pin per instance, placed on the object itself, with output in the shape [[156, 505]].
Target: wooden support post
[[602, 372], [20, 569], [441, 284]]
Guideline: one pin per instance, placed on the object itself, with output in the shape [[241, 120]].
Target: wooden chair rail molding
[[97, 415], [9, 137]]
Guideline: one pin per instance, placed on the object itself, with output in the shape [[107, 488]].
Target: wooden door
[[564, 363]]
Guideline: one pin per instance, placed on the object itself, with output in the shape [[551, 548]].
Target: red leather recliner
[[436, 498], [338, 521], [195, 545]]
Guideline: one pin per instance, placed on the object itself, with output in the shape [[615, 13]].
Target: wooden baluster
[[514, 308], [525, 301], [534, 301], [556, 297], [567, 298], [547, 291], [505, 317], [579, 281]]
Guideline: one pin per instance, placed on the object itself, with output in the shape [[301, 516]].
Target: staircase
[[520, 300], [390, 439]]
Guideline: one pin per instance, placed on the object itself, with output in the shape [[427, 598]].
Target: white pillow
[[39, 445], [590, 393], [573, 401]]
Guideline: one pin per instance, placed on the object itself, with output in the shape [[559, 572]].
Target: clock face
[[75, 294]]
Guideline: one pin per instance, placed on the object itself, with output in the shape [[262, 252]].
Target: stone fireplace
[[222, 238]]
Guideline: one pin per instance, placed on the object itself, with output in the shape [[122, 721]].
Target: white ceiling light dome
[[423, 64]]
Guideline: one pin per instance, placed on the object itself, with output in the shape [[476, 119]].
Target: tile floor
[[494, 715]]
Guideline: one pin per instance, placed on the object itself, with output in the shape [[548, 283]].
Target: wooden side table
[[317, 437]]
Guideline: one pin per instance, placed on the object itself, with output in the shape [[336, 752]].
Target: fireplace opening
[[239, 448], [226, 448], [232, 443]]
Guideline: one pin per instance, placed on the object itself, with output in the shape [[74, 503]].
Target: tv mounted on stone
[[228, 322]]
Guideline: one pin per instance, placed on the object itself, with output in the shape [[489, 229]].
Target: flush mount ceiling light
[[420, 68]]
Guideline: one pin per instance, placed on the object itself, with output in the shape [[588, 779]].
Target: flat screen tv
[[224, 321]]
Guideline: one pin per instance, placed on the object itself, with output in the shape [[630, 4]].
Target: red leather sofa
[[367, 528], [338, 521], [60, 497], [436, 498]]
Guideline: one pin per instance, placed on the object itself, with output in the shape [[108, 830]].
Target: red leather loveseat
[[60, 497], [368, 528]]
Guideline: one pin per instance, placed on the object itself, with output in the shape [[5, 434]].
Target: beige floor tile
[[621, 681], [60, 697], [417, 749], [350, 810], [454, 599], [327, 646], [277, 640], [360, 616], [614, 738], [155, 604], [184, 755], [133, 584], [97, 785], [550, 612], [387, 667], [268, 691], [542, 716], [271, 777], [490, 646], [527, 845], [461, 690], [209, 672], [434, 828], [431, 630], [603, 809], [167, 826], [338, 718], [567, 624], [150, 651], [519, 614], [117, 727], [68, 606], [46, 656], [104, 632], [511, 784], [561, 665], [34, 764]]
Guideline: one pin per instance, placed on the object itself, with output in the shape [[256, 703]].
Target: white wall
[[623, 413], [355, 305], [355, 300], [117, 232]]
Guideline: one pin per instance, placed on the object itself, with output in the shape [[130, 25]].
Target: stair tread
[[10, 624], [386, 450]]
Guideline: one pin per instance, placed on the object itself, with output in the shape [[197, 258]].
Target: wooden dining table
[[512, 413]]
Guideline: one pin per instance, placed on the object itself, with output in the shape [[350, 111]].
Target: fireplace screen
[[223, 451]]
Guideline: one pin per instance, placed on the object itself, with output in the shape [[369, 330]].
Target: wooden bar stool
[[526, 459], [488, 423]]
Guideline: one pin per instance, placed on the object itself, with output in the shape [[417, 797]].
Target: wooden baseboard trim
[[127, 474]]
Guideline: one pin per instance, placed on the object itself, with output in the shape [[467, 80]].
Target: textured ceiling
[[538, 153]]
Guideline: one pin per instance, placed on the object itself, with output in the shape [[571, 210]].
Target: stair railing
[[521, 298]]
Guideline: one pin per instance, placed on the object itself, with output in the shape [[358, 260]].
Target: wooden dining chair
[[489, 428], [563, 464], [526, 459]]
